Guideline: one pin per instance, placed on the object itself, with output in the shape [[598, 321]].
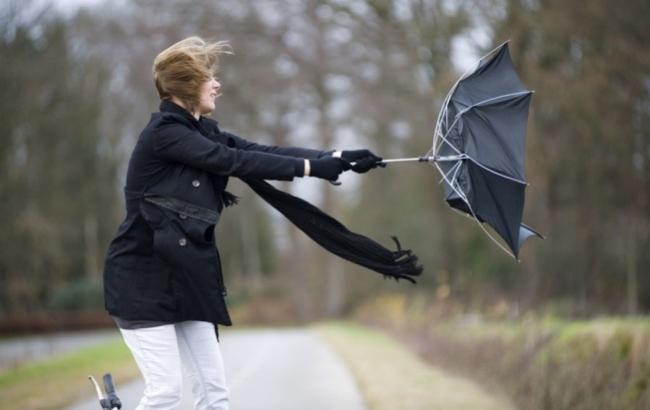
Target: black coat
[[163, 263]]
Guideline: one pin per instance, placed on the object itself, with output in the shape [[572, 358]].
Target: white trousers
[[159, 352]]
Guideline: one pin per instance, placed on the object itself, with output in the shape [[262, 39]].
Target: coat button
[[182, 242], [196, 183], [182, 216], [224, 292]]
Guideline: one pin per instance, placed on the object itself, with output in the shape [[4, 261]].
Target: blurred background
[[76, 89]]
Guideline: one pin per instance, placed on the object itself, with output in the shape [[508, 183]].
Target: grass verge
[[391, 377], [57, 382], [541, 362]]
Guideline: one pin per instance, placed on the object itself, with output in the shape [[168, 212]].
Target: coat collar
[[201, 123], [169, 106]]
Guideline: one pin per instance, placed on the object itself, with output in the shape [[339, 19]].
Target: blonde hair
[[180, 69]]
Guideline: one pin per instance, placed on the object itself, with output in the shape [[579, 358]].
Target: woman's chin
[[208, 110]]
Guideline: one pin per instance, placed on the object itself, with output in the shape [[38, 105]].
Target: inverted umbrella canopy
[[478, 147]]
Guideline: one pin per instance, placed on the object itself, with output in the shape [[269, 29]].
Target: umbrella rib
[[462, 195], [438, 133], [460, 114], [453, 168], [485, 56], [443, 113], [452, 146], [455, 177], [442, 117], [466, 73], [440, 137], [504, 97], [494, 49], [506, 250], [444, 138], [478, 104], [519, 181]]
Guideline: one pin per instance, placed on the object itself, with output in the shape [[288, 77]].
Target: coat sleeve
[[175, 142], [296, 152]]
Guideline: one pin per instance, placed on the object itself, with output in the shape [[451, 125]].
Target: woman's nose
[[217, 85]]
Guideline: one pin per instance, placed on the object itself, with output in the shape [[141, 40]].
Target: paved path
[[18, 350], [290, 368]]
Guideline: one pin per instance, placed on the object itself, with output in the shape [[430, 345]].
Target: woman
[[163, 283]]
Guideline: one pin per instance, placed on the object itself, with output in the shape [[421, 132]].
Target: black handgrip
[[110, 392], [108, 384]]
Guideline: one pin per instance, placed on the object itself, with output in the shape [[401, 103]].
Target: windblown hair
[[180, 69]]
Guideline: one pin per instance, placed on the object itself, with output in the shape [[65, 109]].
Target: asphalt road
[[291, 368]]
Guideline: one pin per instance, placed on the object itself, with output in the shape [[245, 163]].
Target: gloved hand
[[364, 160], [328, 167]]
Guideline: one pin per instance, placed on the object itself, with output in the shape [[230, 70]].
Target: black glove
[[364, 160], [328, 167]]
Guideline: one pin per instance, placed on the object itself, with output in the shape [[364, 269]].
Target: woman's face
[[208, 92]]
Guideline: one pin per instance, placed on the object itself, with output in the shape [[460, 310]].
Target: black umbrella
[[478, 147]]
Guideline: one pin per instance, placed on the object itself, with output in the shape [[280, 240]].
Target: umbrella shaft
[[446, 158], [412, 159]]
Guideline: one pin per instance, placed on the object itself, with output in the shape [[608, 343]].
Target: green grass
[[392, 377], [564, 328], [54, 383]]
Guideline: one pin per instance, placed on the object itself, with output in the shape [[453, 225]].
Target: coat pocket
[[180, 236]]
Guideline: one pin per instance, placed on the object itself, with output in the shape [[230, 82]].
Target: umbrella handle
[[424, 158]]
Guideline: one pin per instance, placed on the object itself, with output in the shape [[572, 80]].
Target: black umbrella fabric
[[478, 147]]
